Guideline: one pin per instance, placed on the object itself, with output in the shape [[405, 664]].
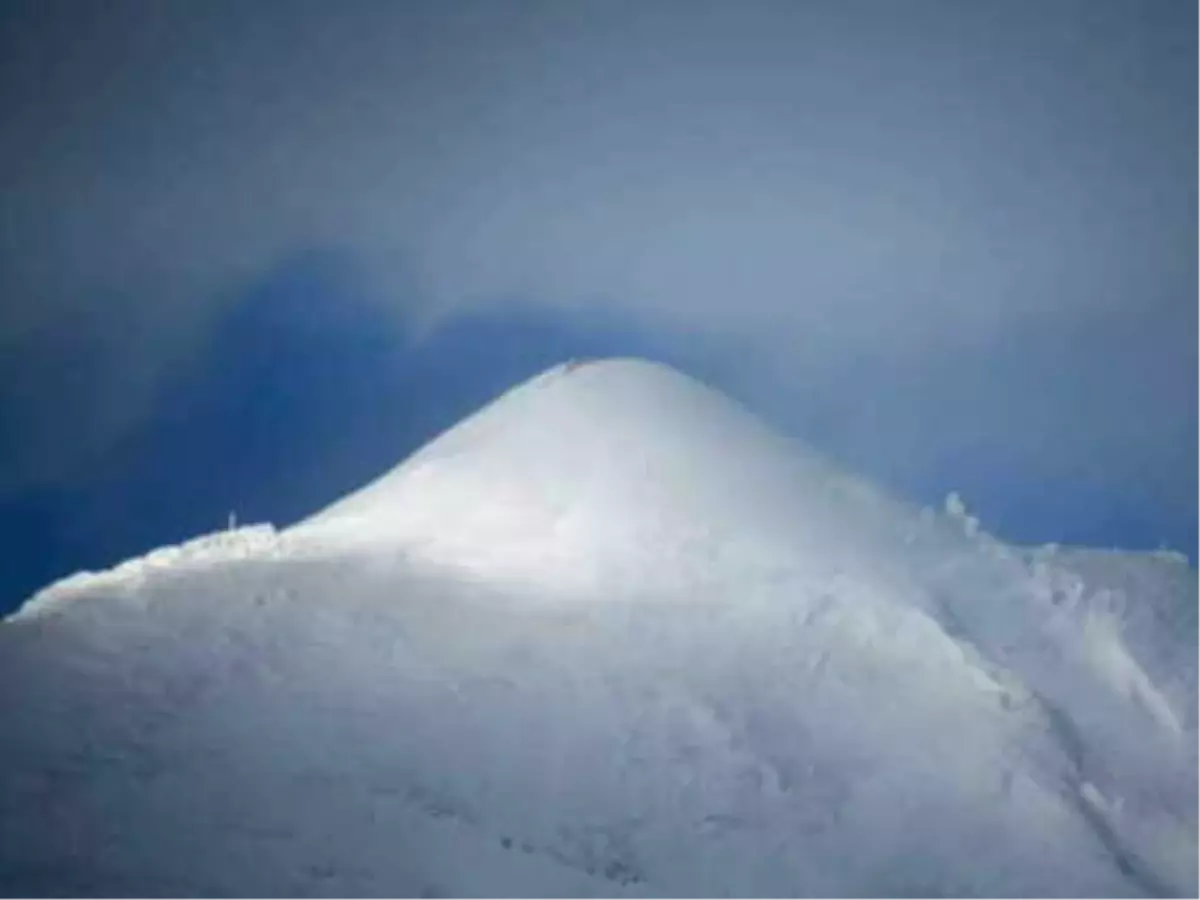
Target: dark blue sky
[[251, 255]]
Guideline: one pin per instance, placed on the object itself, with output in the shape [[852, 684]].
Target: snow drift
[[608, 636]]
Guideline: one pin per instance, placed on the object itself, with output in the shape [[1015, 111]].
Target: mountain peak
[[597, 471]]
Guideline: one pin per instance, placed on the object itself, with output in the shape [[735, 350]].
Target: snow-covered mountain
[[608, 636]]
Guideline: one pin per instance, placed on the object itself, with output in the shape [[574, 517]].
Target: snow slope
[[609, 636], [610, 475]]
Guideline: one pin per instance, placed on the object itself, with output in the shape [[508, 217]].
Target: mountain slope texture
[[609, 636]]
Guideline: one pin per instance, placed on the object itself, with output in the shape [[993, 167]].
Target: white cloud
[[812, 181]]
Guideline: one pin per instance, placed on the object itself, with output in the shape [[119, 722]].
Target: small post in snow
[[232, 525]]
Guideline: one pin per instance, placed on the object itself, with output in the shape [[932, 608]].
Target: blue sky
[[252, 255]]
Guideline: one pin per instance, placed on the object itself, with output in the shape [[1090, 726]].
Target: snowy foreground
[[609, 636]]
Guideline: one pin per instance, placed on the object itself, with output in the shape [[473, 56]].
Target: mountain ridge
[[609, 635]]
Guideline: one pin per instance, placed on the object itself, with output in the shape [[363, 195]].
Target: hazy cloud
[[815, 182]]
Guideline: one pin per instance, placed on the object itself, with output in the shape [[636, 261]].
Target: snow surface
[[609, 636]]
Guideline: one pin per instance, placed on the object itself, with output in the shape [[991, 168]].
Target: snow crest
[[208, 550], [606, 475]]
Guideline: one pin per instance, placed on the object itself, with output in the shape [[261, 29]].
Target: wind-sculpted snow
[[208, 550], [608, 637]]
